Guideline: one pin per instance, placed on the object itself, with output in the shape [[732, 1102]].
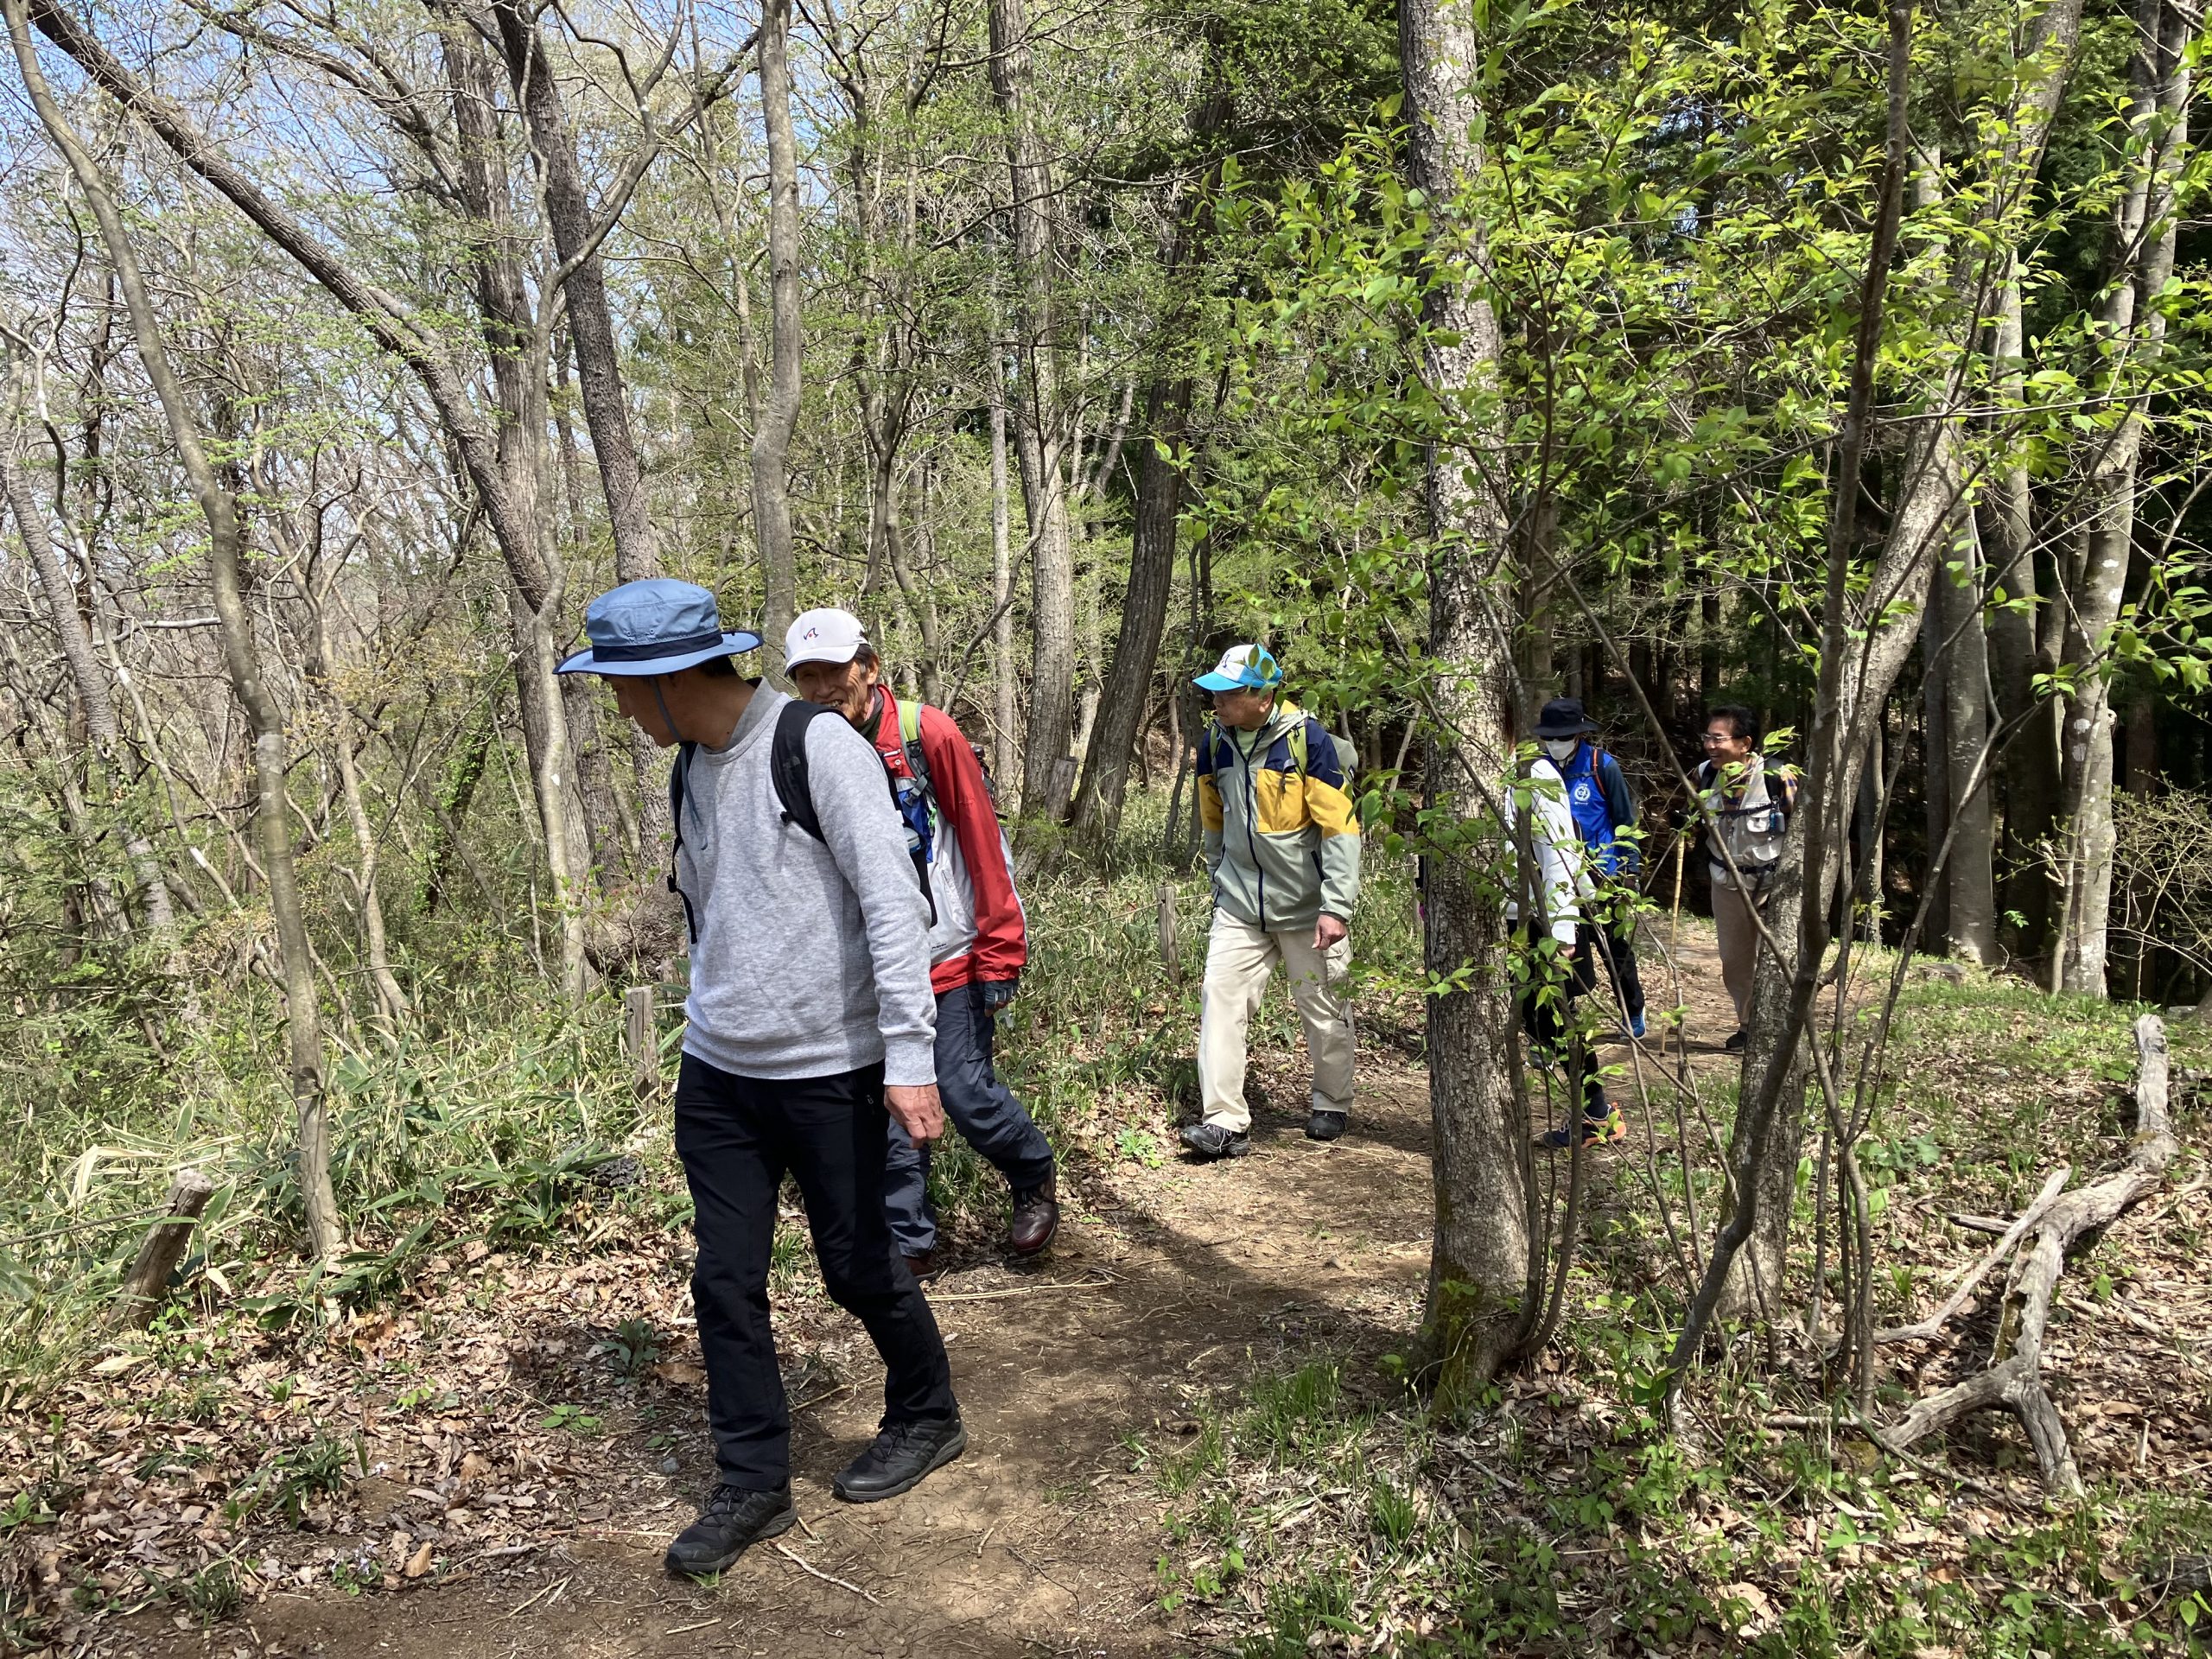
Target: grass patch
[[1322, 1509]]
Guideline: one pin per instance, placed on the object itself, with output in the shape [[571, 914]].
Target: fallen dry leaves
[[485, 1414]]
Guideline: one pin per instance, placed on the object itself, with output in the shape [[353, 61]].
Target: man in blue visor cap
[[811, 1024]]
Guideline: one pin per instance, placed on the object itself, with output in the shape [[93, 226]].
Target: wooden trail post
[[164, 1247], [641, 1040], [1171, 954]]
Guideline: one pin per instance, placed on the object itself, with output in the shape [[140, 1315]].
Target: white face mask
[[1560, 749]]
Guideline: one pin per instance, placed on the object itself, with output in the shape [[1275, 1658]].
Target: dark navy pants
[[982, 1108], [737, 1137]]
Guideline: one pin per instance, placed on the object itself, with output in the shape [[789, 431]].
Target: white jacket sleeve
[[1560, 873]]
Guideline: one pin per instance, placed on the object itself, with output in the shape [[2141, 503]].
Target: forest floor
[[499, 1456]]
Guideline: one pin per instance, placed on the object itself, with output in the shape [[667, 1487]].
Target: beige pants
[[1239, 961], [1739, 936]]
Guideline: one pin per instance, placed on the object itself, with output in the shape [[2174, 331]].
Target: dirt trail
[[1040, 1539]]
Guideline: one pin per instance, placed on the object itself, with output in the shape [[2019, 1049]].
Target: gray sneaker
[[1211, 1141]]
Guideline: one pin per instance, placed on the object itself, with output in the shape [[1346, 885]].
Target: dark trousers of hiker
[[738, 1137], [977, 1105], [1546, 1008], [1611, 938]]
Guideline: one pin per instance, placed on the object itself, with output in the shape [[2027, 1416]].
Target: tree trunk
[[391, 1002], [1006, 750], [591, 323], [884, 522], [2142, 258], [90, 682], [1128, 690], [1039, 442], [772, 437], [513, 343], [591, 334], [1480, 1307], [1935, 767], [1860, 658], [463, 772], [2030, 776], [240, 658], [1971, 885], [1768, 1136]]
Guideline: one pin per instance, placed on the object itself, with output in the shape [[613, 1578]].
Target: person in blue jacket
[[1604, 812]]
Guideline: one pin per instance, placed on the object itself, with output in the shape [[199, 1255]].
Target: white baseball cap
[[824, 637]]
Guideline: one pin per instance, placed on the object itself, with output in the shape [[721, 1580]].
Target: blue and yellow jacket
[[1281, 840]]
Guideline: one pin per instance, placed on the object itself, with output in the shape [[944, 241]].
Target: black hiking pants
[[1546, 1010], [1612, 940], [738, 1137]]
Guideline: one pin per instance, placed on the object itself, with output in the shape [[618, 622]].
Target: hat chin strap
[[665, 713]]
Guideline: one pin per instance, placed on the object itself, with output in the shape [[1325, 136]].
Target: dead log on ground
[[2014, 1377], [1934, 1323], [147, 1281]]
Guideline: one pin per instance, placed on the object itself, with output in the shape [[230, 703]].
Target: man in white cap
[[978, 940], [1282, 846], [809, 1022]]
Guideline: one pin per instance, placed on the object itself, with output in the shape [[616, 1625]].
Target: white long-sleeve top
[[1562, 876]]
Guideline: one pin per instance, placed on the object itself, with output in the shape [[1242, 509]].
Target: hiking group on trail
[[856, 932]]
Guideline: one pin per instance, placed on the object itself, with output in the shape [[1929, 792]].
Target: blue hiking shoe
[[1596, 1131]]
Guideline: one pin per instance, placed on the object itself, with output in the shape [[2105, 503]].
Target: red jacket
[[980, 933]]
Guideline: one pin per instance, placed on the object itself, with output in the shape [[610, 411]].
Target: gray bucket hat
[[654, 627]]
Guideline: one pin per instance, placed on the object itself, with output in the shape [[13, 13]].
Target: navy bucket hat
[[1563, 717], [654, 627]]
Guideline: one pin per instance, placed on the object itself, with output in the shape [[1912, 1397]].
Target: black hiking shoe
[[730, 1521], [901, 1455], [1325, 1126], [1735, 1044], [1211, 1141]]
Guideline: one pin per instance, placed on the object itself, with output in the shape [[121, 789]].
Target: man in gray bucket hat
[[811, 1023]]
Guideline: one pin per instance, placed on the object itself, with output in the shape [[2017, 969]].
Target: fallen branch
[[1935, 1322], [2014, 1378], [1994, 1225], [800, 1561]]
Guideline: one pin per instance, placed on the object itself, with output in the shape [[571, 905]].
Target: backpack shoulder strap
[[787, 765], [1210, 743], [678, 777], [909, 739]]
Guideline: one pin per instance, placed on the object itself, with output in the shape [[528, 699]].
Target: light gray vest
[[1752, 828]]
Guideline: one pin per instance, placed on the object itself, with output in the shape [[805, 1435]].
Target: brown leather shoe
[[923, 1266], [1036, 1216]]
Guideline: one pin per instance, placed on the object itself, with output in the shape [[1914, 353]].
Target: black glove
[[997, 993]]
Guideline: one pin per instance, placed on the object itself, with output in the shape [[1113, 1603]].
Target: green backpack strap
[[1347, 758], [910, 740]]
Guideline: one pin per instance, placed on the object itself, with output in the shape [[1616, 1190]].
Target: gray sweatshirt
[[812, 959]]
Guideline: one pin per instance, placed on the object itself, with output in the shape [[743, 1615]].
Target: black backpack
[[787, 771]]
